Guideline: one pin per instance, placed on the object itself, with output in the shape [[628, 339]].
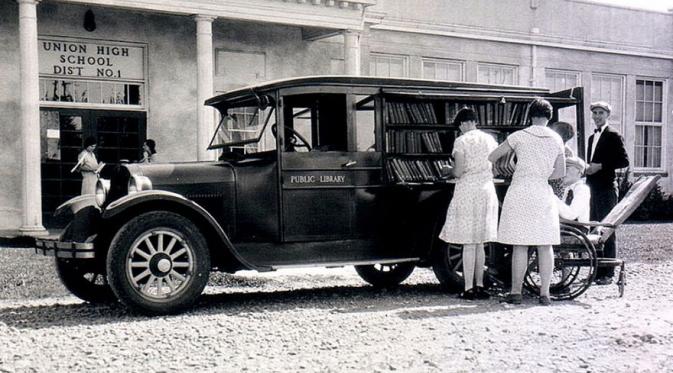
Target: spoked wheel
[[448, 266], [575, 266], [158, 263], [85, 279], [385, 275]]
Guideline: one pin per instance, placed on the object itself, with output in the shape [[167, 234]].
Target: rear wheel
[[575, 264], [85, 279], [158, 263], [385, 275], [448, 265]]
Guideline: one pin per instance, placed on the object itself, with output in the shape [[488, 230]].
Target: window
[[91, 92], [610, 88], [364, 121], [558, 80], [497, 74], [389, 66], [443, 69], [649, 123], [246, 130], [316, 120]]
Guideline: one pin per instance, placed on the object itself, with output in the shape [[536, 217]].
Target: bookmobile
[[313, 172]]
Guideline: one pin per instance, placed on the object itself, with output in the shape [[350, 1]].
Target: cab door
[[324, 174]]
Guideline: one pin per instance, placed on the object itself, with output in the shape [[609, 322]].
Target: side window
[[364, 122], [316, 120]]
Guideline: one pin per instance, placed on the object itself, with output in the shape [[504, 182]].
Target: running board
[[344, 264]]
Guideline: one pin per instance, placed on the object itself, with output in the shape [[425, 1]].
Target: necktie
[[569, 197], [596, 130]]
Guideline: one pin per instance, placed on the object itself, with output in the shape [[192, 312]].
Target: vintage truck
[[312, 171]]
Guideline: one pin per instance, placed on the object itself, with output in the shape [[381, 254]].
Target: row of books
[[415, 170], [413, 142], [494, 113], [411, 113]]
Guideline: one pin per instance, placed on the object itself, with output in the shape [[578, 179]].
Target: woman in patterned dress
[[529, 214], [472, 216]]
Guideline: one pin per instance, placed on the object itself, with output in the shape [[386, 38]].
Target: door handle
[[350, 163]]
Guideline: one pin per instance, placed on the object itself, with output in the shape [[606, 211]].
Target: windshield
[[245, 130]]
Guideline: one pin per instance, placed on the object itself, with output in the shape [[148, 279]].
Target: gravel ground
[[328, 320]]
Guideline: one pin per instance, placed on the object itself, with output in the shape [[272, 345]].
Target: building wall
[[10, 138], [573, 35]]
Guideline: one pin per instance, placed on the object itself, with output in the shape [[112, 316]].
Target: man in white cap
[[606, 153]]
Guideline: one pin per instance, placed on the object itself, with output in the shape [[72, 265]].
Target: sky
[[662, 5]]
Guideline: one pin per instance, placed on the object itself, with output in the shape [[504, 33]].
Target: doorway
[[119, 135]]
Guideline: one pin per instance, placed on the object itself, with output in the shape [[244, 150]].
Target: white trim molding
[[513, 38]]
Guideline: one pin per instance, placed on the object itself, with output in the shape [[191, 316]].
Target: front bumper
[[60, 249]]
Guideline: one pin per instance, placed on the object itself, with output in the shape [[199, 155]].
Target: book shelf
[[419, 133]]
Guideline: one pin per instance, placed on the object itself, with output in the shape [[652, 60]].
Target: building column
[[351, 52], [31, 187], [204, 85]]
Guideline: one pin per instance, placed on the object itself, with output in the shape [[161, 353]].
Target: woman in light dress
[[529, 214], [88, 166], [472, 216]]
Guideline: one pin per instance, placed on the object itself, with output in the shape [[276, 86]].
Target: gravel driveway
[[328, 320]]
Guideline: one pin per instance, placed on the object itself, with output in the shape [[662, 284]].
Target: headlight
[[139, 183], [102, 188]]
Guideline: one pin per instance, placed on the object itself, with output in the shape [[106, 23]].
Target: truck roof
[[252, 91]]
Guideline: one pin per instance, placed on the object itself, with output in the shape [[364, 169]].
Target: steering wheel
[[296, 140]]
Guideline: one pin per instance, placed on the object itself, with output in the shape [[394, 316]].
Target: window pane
[[658, 91], [657, 113], [647, 109], [649, 91], [640, 90]]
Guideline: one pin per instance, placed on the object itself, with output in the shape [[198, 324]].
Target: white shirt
[[597, 135], [579, 208]]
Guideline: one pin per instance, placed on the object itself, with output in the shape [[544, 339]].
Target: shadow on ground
[[407, 302]]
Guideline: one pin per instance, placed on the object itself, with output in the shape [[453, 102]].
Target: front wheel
[[85, 279], [385, 275], [158, 263]]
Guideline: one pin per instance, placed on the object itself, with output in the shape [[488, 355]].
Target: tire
[[385, 275], [158, 263], [84, 279]]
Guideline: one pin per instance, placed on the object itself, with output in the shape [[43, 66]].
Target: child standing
[[472, 216]]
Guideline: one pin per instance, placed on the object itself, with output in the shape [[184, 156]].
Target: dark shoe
[[467, 294], [545, 301], [481, 294], [513, 299], [603, 281]]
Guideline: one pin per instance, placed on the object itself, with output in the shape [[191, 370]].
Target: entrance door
[[119, 135]]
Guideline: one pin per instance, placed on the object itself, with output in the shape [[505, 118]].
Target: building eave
[[332, 14]]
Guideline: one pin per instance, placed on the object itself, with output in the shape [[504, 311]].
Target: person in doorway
[[606, 153], [472, 215], [88, 166], [529, 214], [149, 152]]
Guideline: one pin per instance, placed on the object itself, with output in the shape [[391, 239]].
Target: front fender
[[75, 204], [129, 201]]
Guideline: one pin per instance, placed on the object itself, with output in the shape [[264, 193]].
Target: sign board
[[90, 59]]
